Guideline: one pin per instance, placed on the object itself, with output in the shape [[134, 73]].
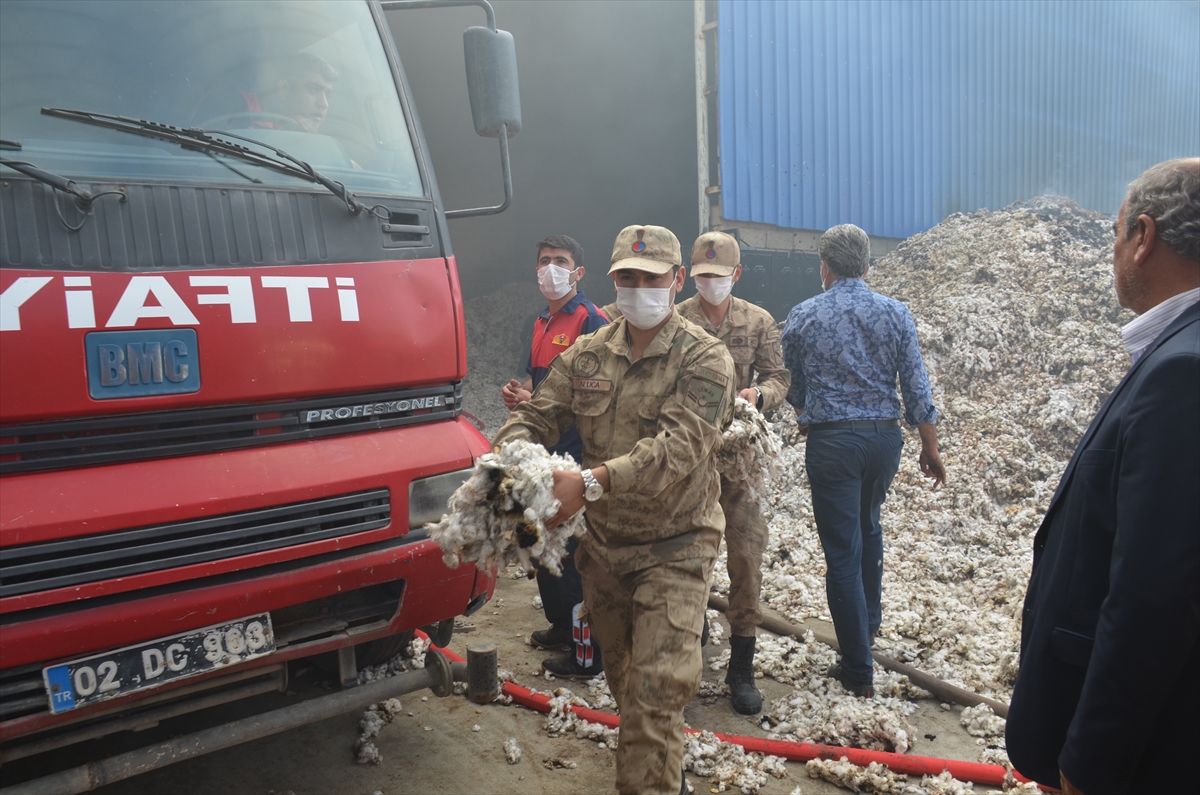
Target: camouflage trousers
[[745, 540], [649, 622]]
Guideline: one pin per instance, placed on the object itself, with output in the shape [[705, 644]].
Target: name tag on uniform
[[591, 385], [711, 375]]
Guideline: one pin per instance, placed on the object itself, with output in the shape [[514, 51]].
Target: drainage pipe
[[436, 675], [976, 772], [773, 622]]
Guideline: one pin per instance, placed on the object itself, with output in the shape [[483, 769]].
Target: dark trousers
[[561, 594], [850, 472]]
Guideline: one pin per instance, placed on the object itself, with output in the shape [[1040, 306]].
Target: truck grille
[[22, 691], [59, 564], [135, 437]]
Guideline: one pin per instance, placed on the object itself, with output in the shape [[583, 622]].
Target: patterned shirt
[[845, 348]]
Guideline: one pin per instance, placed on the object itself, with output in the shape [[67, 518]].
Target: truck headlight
[[427, 497]]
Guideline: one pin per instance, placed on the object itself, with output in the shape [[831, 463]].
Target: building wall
[[893, 115], [608, 138]]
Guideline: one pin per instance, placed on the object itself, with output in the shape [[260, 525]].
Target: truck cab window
[[307, 77]]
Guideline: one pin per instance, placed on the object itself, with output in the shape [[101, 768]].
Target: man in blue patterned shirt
[[846, 348]]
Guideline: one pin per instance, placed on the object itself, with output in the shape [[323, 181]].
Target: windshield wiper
[[206, 142], [82, 195]]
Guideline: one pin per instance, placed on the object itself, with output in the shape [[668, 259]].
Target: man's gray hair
[[1170, 194], [846, 250]]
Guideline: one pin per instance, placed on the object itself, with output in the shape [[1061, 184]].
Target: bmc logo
[[124, 364], [154, 297]]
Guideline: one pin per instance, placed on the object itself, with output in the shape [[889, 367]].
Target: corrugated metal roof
[[893, 115]]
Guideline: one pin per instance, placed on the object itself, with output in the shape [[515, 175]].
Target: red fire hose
[[977, 772]]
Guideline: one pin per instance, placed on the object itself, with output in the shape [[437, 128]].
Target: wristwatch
[[758, 401], [592, 490]]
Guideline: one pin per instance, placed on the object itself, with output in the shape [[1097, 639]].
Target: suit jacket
[[1110, 667]]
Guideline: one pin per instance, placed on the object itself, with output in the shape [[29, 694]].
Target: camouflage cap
[[717, 253], [653, 249]]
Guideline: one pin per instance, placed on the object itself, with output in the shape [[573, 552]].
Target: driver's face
[[307, 100]]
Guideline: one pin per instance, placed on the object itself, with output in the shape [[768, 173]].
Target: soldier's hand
[[750, 395], [568, 490], [514, 394]]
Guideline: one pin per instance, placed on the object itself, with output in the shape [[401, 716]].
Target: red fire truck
[[231, 352]]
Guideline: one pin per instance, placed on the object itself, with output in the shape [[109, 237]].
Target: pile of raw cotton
[[498, 516], [499, 329], [1020, 331]]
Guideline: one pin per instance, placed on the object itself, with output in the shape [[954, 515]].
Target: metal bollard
[[483, 683]]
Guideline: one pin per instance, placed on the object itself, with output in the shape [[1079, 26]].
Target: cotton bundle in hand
[[498, 516], [750, 450]]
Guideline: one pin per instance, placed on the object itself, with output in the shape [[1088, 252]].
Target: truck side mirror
[[491, 58]]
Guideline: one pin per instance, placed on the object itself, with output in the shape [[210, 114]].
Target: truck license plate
[[123, 671]]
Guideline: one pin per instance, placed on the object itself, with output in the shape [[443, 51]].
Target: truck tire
[[377, 652]]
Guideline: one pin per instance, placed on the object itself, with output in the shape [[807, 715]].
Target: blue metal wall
[[893, 114]]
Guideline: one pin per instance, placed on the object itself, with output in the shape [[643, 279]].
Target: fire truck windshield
[[308, 77]]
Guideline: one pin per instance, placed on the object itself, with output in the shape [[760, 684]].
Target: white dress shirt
[[1144, 330]]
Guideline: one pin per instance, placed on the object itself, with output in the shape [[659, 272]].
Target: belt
[[854, 425]]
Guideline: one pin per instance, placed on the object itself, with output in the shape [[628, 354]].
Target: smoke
[[608, 138]]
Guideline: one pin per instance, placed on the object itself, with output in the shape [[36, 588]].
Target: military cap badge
[[638, 246]]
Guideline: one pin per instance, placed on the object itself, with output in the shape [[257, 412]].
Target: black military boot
[[740, 677]]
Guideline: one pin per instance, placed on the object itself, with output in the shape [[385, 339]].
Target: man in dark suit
[[1106, 697]]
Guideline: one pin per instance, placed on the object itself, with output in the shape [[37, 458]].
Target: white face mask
[[644, 307], [714, 289], [554, 281]]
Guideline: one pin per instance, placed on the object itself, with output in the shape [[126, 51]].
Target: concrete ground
[[432, 747]]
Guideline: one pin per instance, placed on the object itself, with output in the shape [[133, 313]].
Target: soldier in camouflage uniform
[[752, 337], [650, 394]]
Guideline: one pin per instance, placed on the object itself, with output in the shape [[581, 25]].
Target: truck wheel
[[377, 652], [373, 652]]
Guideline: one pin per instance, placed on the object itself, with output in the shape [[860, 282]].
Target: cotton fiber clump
[[749, 451], [980, 721], [512, 751], [498, 516], [413, 656], [878, 779], [728, 766], [562, 720], [373, 720], [875, 778], [820, 710]]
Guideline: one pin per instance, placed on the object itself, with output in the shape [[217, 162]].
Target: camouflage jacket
[[752, 337], [656, 424]]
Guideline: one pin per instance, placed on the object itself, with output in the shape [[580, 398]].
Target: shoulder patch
[[586, 364], [705, 398], [712, 375]]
